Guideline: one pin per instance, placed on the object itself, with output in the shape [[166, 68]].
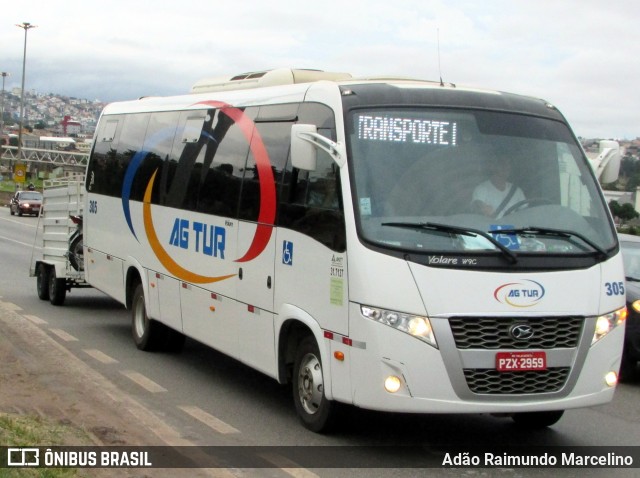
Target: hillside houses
[[50, 110]]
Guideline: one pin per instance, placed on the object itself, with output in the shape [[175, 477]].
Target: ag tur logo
[[525, 293]]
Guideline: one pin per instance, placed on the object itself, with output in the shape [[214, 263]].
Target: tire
[[42, 281], [57, 288], [148, 334], [314, 410], [76, 254], [537, 420]]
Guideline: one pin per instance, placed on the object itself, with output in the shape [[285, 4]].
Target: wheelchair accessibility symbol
[[510, 241], [287, 253]]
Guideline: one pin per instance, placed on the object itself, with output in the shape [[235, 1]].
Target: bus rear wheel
[[148, 334], [315, 411]]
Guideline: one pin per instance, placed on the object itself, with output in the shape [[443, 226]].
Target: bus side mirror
[[303, 148]]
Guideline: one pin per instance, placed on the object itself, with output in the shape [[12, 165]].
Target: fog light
[[392, 384], [611, 379]]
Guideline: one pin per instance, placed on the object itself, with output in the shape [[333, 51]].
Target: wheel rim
[[310, 385], [139, 318]]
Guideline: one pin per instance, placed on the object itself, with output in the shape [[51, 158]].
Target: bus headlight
[[607, 322], [415, 325]]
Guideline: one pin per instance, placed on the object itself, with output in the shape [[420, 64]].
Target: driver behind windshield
[[496, 195]]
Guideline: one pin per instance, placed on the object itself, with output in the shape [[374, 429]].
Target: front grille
[[490, 381], [494, 332]]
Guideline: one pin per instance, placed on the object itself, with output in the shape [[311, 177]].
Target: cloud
[[579, 55]]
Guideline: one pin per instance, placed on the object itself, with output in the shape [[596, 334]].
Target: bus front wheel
[[316, 412]]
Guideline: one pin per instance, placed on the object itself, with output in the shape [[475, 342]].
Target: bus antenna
[[439, 63]]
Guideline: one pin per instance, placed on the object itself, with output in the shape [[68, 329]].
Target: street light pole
[[25, 26]]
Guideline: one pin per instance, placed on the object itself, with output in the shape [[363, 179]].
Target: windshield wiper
[[632, 279], [463, 231], [545, 231]]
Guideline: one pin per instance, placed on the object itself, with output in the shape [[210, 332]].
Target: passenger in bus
[[496, 195]]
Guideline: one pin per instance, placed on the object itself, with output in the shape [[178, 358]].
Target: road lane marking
[[143, 381], [100, 356], [208, 419], [36, 320], [288, 466], [18, 222], [19, 242], [63, 335], [11, 306]]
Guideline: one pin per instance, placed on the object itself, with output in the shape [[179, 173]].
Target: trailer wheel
[[42, 281], [314, 410], [57, 288], [537, 420]]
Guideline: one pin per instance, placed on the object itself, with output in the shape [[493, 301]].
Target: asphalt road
[[213, 400]]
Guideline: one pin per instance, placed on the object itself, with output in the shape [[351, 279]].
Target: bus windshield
[[441, 180]]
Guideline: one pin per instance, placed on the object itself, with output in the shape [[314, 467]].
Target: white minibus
[[391, 244]]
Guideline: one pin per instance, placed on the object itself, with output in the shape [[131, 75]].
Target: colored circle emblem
[[525, 293], [266, 215]]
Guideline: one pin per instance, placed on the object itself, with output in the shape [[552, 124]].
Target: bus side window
[[310, 201], [100, 178], [217, 180], [275, 138], [130, 144], [314, 204]]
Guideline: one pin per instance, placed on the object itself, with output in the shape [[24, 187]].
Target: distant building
[[70, 127]]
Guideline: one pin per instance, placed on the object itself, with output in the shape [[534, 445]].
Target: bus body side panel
[[313, 278], [255, 289], [210, 318], [105, 245], [193, 255], [164, 299]]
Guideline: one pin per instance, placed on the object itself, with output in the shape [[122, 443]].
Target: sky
[[580, 55]]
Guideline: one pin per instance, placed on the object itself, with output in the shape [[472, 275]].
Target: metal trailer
[[51, 264]]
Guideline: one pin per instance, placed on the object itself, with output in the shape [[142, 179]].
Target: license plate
[[521, 361]]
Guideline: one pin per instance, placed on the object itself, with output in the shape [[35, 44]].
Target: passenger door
[[257, 235]]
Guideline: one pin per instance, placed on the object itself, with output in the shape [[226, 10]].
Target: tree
[[624, 212]]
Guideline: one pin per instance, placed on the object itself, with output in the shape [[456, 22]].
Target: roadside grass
[[30, 431]]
